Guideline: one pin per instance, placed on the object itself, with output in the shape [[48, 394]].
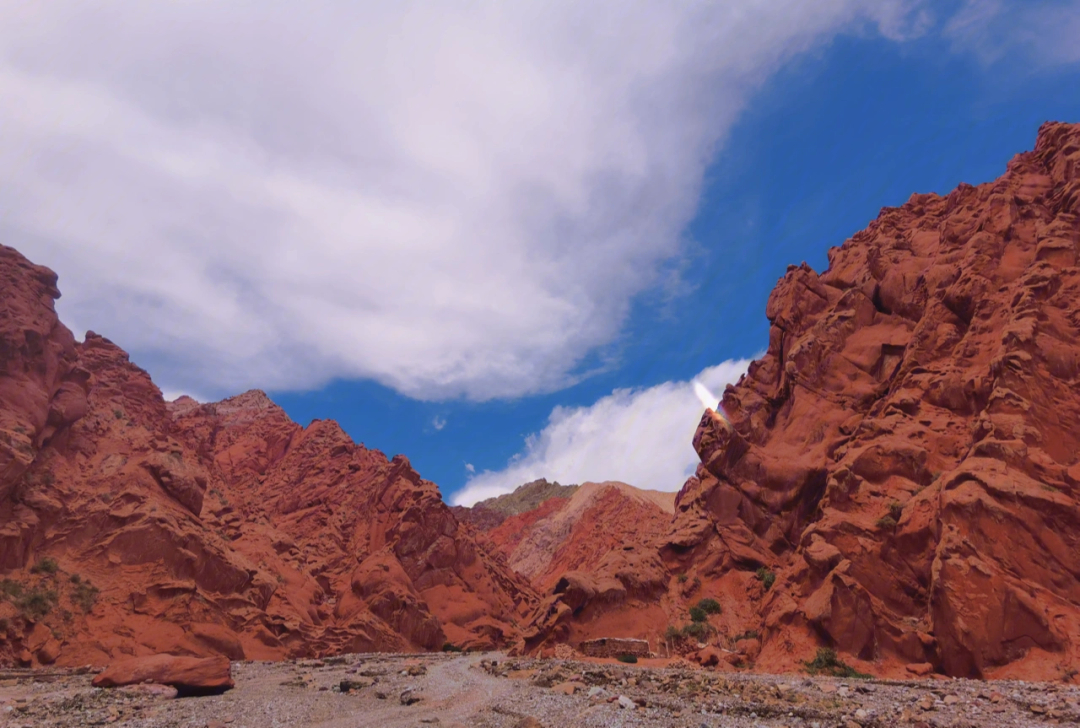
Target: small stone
[[359, 683], [996, 697], [952, 699], [861, 714], [568, 688], [626, 703], [926, 703], [1038, 709], [529, 722], [407, 697]]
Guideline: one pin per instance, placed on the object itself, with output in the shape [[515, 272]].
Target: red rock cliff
[[904, 458], [131, 526]]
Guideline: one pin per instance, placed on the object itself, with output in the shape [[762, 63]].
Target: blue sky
[[501, 243]]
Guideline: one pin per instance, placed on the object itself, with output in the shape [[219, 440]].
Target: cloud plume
[[452, 199], [639, 436]]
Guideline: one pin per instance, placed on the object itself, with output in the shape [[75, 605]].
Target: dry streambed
[[491, 691]]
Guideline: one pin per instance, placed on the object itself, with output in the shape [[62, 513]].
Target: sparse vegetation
[[672, 633], [10, 589], [75, 578], [85, 596], [887, 523], [629, 659], [697, 630], [750, 634], [118, 414], [697, 614], [709, 606], [766, 577], [36, 603], [451, 647], [45, 565], [681, 578], [826, 662], [896, 510]]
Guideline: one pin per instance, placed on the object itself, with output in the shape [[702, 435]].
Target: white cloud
[[1043, 30], [438, 422], [470, 468], [639, 436], [453, 199]]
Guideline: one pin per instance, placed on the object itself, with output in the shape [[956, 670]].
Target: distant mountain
[[491, 512]]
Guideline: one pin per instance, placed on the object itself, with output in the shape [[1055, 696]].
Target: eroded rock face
[[594, 559], [129, 526], [904, 458]]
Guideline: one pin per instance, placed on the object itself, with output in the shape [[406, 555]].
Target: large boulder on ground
[[189, 675]]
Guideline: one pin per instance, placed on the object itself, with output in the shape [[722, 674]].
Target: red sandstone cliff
[[900, 479], [904, 457], [129, 526]]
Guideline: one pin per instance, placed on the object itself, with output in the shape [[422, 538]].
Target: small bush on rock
[[826, 662], [36, 603], [629, 659], [709, 606], [766, 577], [46, 565]]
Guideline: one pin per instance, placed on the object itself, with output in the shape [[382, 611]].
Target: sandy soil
[[491, 691]]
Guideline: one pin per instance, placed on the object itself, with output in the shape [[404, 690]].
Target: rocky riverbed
[[492, 691]]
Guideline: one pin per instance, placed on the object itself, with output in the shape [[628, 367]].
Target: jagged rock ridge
[[130, 526]]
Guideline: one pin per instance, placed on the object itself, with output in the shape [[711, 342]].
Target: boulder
[[189, 675]]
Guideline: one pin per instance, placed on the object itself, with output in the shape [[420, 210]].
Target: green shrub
[[697, 614], [697, 630], [672, 633], [750, 634], [118, 414], [36, 603], [450, 647], [10, 588], [85, 596], [46, 565], [630, 659], [896, 510], [887, 523], [709, 606], [826, 662], [682, 578], [766, 577], [75, 579]]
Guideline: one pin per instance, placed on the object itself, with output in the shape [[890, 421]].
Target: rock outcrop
[[594, 559], [901, 467], [130, 526]]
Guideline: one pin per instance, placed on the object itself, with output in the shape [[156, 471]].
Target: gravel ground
[[491, 691]]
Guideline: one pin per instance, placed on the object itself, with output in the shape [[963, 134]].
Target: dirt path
[[452, 692]]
